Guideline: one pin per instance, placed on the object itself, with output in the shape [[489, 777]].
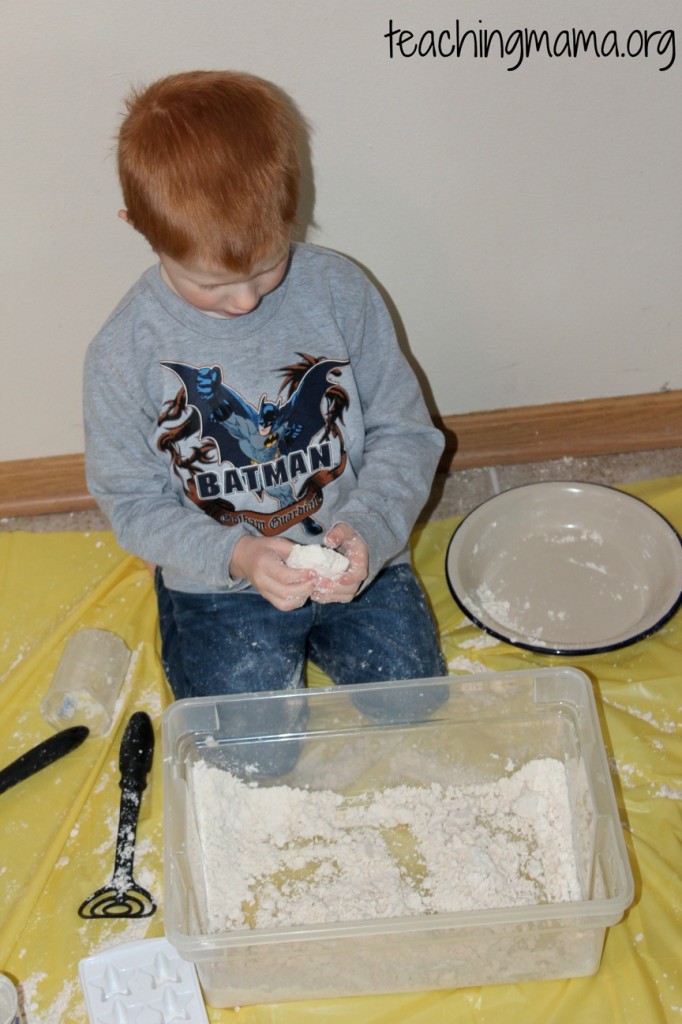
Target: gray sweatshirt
[[285, 421]]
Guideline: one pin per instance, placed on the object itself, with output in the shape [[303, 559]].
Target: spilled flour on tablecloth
[[479, 642], [645, 716], [57, 1012], [463, 664], [283, 856]]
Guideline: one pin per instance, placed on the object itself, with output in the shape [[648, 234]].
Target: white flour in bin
[[281, 856]]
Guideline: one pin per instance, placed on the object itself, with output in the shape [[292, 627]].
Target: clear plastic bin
[[458, 730]]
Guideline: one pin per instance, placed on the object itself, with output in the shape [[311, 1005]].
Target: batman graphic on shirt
[[227, 449]]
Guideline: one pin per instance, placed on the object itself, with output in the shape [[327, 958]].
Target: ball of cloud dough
[[325, 561]]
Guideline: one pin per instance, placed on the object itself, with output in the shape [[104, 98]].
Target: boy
[[248, 394]]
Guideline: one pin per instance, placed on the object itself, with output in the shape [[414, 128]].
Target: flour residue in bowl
[[280, 856]]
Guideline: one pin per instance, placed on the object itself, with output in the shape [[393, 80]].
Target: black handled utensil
[[43, 754], [123, 897]]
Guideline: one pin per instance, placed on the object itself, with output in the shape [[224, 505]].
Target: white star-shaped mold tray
[[144, 982]]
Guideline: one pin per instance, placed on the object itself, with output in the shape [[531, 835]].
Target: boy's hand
[[261, 561], [344, 539]]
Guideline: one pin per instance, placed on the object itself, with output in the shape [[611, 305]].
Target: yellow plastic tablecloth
[[58, 828]]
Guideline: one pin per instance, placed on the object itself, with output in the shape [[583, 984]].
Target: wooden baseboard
[[34, 487], [534, 433], [599, 426]]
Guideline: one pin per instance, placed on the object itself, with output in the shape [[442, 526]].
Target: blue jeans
[[215, 644]]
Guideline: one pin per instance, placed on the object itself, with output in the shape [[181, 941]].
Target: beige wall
[[526, 224]]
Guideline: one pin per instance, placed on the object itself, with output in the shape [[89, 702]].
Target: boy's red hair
[[209, 168]]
